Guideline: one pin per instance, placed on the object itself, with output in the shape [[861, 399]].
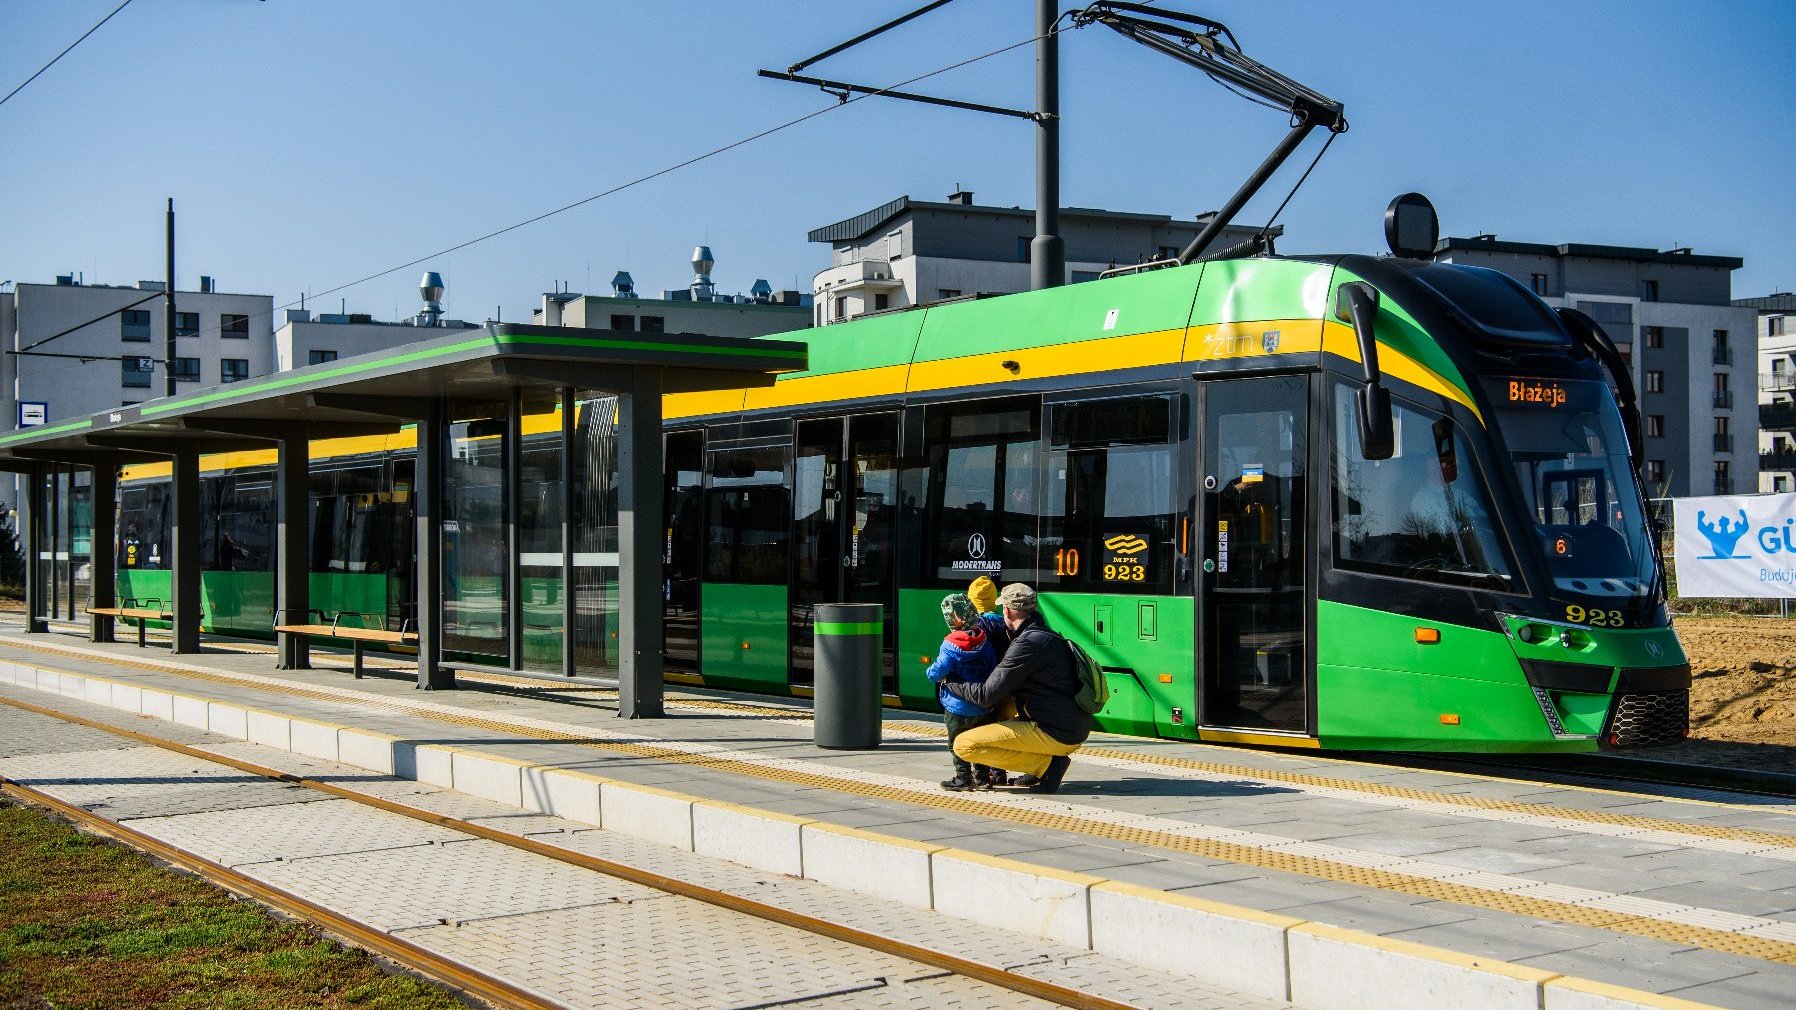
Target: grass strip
[[89, 923]]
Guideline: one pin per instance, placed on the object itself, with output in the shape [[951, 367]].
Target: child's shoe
[[957, 784]]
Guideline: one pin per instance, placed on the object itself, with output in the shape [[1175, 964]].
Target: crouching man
[[1036, 673]]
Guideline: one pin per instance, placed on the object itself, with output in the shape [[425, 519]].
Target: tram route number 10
[[1066, 563], [1593, 617]]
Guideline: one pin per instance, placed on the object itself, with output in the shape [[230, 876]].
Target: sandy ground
[[1745, 678]]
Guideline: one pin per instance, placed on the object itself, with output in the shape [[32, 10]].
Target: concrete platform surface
[[1176, 853]]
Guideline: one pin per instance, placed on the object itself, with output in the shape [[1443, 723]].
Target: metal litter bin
[[850, 639]]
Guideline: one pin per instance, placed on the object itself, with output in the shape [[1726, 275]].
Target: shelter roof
[[383, 389]]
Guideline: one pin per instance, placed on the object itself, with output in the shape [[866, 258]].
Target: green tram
[[1339, 502]]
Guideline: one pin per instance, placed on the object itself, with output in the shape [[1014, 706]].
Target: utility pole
[[168, 332], [1047, 251]]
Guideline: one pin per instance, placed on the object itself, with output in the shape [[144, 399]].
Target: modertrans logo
[[1737, 546]]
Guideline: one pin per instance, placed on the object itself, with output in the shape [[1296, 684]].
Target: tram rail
[[481, 984]]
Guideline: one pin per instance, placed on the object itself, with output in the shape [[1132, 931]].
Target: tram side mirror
[[1356, 302], [1376, 439]]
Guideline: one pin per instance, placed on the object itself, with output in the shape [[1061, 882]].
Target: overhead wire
[[841, 101], [621, 187], [65, 52]]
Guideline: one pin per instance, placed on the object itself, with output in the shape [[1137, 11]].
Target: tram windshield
[[1570, 454]]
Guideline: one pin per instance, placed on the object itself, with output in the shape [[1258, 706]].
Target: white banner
[[1740, 545]]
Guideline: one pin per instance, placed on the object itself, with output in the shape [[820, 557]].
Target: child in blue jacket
[[967, 656]]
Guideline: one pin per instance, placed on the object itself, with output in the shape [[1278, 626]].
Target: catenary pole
[[168, 332], [1047, 252]]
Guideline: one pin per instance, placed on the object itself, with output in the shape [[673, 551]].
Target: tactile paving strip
[[1743, 944]]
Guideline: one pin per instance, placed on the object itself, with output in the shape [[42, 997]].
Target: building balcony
[[1724, 443], [1781, 458], [865, 275], [1723, 356], [1776, 382], [1724, 485], [1724, 398], [1777, 416]]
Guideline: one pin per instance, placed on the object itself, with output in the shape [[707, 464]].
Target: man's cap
[[1017, 596]]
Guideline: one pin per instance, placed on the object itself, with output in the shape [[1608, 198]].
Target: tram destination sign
[[1540, 393]]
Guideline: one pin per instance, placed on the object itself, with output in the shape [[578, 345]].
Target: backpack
[[1094, 687]]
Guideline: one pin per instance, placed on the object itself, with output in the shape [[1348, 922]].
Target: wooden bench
[[139, 611], [359, 636]]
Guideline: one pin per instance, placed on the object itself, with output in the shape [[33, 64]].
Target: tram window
[[747, 533], [352, 527], [748, 515], [236, 523], [1425, 513], [143, 527], [982, 516], [1107, 512]]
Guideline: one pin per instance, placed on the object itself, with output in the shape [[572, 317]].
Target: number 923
[[1593, 617]]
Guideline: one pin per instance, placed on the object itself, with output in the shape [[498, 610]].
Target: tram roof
[[381, 390]]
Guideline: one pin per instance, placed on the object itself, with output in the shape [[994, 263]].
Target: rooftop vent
[[761, 292], [702, 262], [431, 287], [961, 197], [205, 285], [623, 285]]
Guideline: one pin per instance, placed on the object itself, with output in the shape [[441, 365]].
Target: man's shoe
[[999, 778], [1025, 781], [1050, 779], [957, 784]]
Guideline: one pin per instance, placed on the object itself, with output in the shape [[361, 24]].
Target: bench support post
[[292, 564], [186, 565], [103, 586], [640, 684]]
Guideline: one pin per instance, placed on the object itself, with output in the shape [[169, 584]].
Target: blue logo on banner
[[1722, 536]]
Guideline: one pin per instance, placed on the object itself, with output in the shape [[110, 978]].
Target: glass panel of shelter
[[541, 506], [592, 512], [476, 562], [682, 554]]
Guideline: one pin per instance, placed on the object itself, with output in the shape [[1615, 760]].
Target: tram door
[[1253, 586], [844, 508]]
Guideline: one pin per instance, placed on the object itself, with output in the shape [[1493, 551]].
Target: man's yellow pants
[[1015, 745]]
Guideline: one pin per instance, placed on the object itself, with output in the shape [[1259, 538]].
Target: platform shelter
[[470, 543]]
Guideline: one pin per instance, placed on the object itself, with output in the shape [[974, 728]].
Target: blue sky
[[310, 144]]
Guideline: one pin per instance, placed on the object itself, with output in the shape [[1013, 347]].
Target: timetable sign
[[33, 413]]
